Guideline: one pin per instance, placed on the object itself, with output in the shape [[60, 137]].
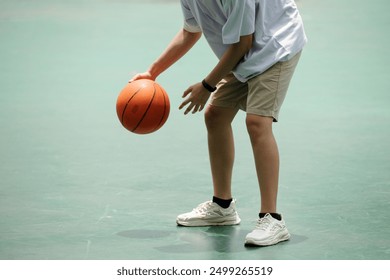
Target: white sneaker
[[210, 214], [268, 231]]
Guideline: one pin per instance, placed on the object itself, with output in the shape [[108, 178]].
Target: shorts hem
[[270, 114], [224, 104]]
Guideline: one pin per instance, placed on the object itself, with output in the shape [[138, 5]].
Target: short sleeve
[[190, 23], [240, 16]]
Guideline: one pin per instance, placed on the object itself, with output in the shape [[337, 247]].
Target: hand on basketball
[[144, 75], [197, 97]]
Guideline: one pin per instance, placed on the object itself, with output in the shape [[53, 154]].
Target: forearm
[[229, 60], [179, 46]]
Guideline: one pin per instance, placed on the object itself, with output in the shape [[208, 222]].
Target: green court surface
[[76, 185]]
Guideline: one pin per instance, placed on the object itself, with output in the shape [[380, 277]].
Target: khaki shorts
[[262, 95]]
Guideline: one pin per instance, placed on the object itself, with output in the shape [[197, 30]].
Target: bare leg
[[221, 148], [266, 154]]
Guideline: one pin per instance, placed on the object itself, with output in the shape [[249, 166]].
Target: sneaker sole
[[279, 238], [206, 224]]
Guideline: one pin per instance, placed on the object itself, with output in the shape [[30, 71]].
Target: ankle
[[224, 203], [276, 216]]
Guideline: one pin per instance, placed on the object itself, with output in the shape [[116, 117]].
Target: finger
[[184, 103], [187, 91], [189, 108], [136, 77], [196, 108]]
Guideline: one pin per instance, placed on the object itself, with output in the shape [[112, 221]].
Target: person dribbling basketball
[[258, 44]]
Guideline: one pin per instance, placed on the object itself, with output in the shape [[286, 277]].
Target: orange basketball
[[142, 106]]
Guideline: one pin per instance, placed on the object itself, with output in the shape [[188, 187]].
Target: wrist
[[153, 71], [208, 86]]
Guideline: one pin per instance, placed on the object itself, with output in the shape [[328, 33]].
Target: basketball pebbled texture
[[143, 106]]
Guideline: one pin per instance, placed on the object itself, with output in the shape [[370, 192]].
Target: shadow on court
[[207, 239]]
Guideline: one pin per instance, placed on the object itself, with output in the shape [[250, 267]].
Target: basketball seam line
[[165, 109], [147, 109], [124, 109]]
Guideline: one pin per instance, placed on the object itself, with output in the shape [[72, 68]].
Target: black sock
[[224, 203], [274, 215]]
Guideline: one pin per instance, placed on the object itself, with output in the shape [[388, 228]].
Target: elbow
[[191, 36], [248, 43], [245, 44]]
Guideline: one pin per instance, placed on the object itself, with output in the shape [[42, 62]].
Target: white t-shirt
[[277, 26]]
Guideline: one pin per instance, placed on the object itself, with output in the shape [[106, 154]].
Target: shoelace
[[263, 224], [203, 207]]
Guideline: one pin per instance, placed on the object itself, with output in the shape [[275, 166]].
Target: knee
[[258, 126], [218, 118], [211, 118]]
